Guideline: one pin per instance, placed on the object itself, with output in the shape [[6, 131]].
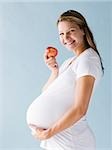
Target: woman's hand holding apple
[[50, 58]]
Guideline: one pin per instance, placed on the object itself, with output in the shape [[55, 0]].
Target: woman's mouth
[[72, 43], [69, 44]]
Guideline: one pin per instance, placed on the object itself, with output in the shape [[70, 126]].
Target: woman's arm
[[52, 77], [53, 67], [83, 91]]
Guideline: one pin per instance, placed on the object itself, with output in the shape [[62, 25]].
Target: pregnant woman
[[58, 116]]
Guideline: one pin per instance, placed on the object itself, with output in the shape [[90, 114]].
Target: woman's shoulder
[[88, 63], [87, 59], [89, 55]]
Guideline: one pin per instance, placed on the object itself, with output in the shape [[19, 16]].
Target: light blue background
[[26, 29]]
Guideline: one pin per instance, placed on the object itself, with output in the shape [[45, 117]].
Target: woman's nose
[[66, 38]]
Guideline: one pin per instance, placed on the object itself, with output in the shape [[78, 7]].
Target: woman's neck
[[80, 49]]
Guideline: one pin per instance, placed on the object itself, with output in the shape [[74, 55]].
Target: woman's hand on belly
[[40, 133]]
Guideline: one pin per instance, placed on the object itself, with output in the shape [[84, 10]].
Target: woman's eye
[[72, 30], [61, 34]]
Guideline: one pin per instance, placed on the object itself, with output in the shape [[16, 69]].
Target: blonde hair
[[77, 18]]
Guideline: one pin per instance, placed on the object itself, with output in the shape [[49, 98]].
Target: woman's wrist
[[54, 129], [55, 72]]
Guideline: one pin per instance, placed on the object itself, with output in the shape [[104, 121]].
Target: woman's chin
[[71, 48]]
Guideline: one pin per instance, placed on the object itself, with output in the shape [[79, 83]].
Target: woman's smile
[[70, 43]]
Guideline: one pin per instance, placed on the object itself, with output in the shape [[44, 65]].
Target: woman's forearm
[[71, 117], [52, 77]]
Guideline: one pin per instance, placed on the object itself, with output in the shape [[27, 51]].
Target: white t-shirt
[[59, 96]]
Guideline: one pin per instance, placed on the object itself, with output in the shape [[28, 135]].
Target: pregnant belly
[[47, 109]]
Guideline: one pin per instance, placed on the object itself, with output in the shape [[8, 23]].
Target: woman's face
[[71, 36]]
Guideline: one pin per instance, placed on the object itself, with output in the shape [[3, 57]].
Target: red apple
[[52, 52]]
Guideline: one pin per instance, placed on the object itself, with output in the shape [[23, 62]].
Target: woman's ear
[[83, 32]]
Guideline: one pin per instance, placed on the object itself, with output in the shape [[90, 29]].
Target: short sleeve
[[88, 66]]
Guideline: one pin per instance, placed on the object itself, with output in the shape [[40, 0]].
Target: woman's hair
[[77, 18]]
